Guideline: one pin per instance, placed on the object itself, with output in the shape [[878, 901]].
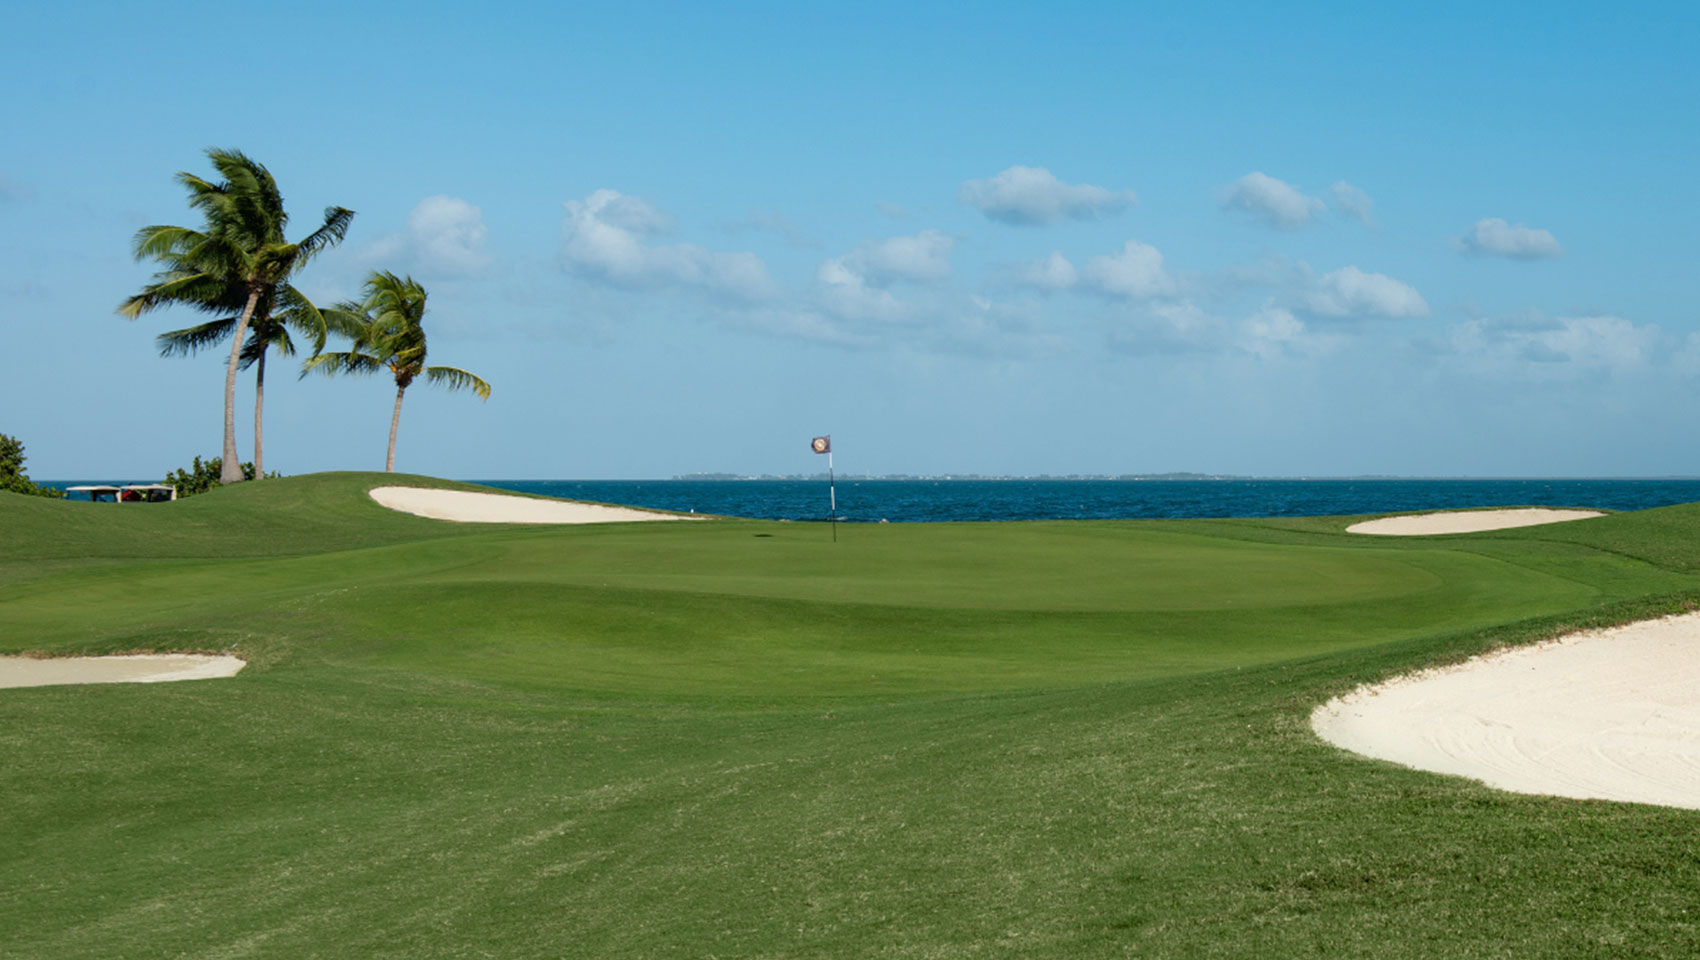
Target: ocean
[[931, 501]]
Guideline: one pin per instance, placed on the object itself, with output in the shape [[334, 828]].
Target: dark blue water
[[929, 500]]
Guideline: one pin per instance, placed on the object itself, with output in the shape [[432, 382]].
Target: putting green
[[779, 610]]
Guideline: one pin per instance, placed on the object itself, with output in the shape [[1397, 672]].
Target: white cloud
[[1136, 271], [1350, 200], [1032, 196], [1269, 331], [629, 213], [605, 237], [921, 258], [1274, 332], [844, 291], [893, 211], [1273, 201], [851, 300], [1052, 273], [445, 236], [1593, 342], [1350, 292], [448, 234], [1495, 238]]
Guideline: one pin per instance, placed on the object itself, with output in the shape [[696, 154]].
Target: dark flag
[[821, 444]]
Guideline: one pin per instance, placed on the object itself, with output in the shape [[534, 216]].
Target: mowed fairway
[[737, 738]]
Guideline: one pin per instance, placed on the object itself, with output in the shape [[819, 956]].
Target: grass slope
[[735, 738]]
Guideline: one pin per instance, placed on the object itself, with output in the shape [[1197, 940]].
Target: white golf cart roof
[[115, 491]]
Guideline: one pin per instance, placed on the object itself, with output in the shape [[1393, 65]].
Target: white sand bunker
[[466, 507], [1608, 715], [1467, 521], [130, 668]]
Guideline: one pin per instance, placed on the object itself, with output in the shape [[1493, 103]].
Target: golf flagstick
[[824, 445]]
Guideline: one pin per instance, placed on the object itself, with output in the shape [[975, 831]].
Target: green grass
[[737, 739]]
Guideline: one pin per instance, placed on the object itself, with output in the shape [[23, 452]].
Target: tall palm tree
[[268, 329], [241, 255], [387, 333]]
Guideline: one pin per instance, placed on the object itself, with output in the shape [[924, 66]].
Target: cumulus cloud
[[1350, 292], [1274, 332], [1270, 331], [1494, 237], [1032, 196], [1052, 273], [1354, 202], [844, 291], [1136, 271], [921, 258], [1273, 201], [607, 237], [856, 286], [445, 236], [1591, 342]]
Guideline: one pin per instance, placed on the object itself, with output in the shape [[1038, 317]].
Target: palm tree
[[386, 331], [241, 256], [266, 330]]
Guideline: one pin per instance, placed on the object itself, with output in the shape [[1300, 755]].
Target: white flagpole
[[832, 492]]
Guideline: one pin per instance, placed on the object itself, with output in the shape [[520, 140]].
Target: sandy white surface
[[464, 506], [1467, 521], [1611, 715], [130, 668]]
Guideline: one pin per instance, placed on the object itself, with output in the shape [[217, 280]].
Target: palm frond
[[257, 205], [337, 220], [454, 378], [349, 362], [189, 340], [163, 241], [264, 338], [299, 314], [192, 289], [346, 320]]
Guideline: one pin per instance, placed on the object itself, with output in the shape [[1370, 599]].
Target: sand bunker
[[131, 668], [1608, 715], [1467, 521], [466, 507]]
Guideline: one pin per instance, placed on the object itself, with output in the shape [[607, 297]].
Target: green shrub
[[12, 475], [202, 475]]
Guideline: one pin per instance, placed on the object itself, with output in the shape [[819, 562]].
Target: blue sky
[[1316, 239]]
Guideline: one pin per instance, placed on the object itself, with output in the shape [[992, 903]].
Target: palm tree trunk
[[259, 406], [230, 471], [395, 421]]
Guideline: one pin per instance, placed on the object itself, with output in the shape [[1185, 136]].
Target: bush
[[202, 476], [12, 475]]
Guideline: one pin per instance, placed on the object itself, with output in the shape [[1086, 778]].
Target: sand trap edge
[[468, 506], [1467, 521], [1599, 714], [20, 672]]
